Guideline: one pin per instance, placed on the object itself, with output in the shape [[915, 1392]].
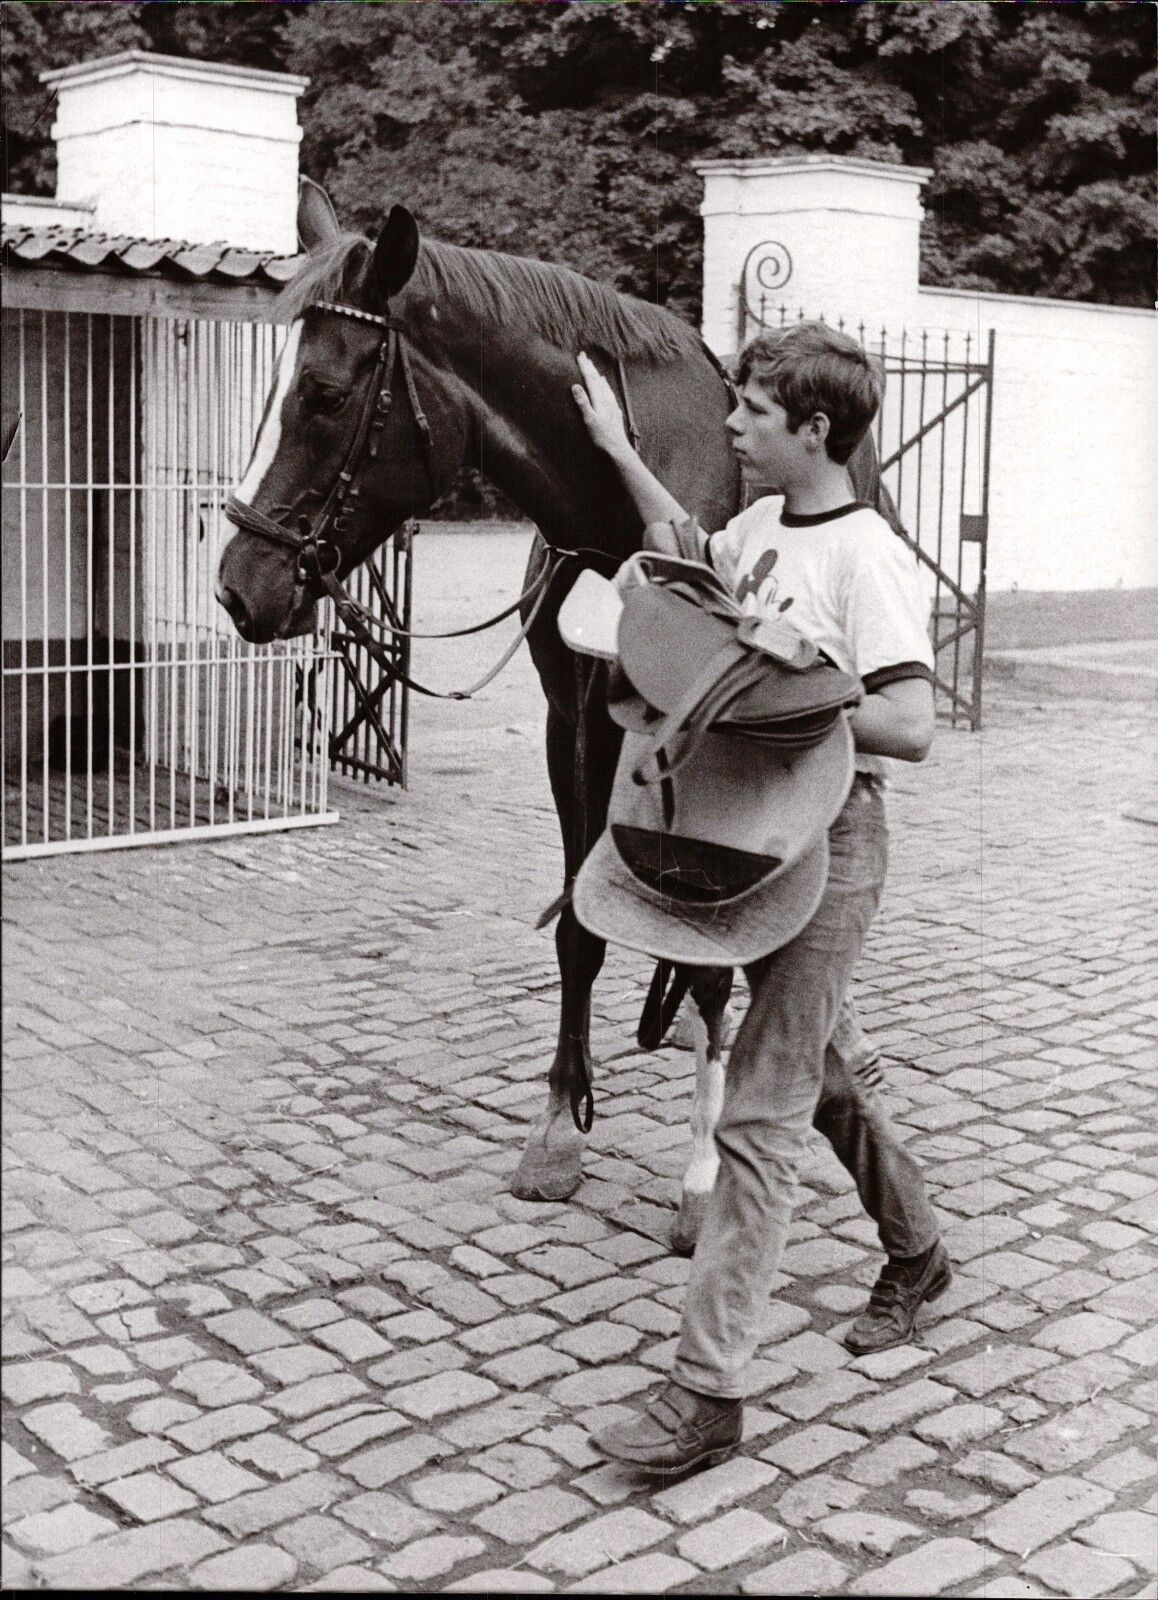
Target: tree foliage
[[568, 131]]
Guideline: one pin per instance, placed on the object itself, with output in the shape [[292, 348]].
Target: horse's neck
[[526, 423]]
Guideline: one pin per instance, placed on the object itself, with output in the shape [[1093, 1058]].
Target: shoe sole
[[710, 1458], [934, 1292]]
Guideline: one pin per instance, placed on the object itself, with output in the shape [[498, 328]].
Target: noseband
[[317, 542]]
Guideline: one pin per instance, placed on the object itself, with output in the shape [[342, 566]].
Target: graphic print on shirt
[[761, 575]]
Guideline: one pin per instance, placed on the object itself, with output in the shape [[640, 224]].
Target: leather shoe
[[678, 1429], [898, 1295]]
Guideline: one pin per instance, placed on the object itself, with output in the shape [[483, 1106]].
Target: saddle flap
[[589, 616]]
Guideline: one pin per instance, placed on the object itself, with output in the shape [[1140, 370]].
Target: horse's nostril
[[235, 606]]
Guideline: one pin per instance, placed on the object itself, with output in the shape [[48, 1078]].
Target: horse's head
[[351, 444]]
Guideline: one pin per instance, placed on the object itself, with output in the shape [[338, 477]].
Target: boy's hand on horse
[[600, 410]]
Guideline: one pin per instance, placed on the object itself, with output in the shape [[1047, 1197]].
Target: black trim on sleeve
[[873, 681]]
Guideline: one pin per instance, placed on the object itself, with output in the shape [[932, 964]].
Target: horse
[[408, 359]]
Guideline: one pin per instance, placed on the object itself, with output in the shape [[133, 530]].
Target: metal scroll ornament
[[767, 268]]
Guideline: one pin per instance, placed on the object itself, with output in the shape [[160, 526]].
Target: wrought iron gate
[[933, 437], [371, 708]]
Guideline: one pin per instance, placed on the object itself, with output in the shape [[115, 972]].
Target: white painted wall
[[1074, 483], [168, 148]]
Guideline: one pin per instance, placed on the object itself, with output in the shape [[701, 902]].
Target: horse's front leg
[[710, 990], [551, 1163]]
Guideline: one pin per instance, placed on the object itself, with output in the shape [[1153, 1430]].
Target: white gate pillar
[[831, 234]]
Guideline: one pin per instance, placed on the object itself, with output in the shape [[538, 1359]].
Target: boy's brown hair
[[809, 367]]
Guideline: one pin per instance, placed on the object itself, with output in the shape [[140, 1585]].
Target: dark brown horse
[[467, 357]]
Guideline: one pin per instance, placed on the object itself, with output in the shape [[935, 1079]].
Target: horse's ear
[[395, 252], [317, 223]]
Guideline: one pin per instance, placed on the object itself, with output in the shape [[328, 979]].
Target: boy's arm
[[896, 720], [600, 411]]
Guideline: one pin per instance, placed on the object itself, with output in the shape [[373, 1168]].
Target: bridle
[[318, 554]]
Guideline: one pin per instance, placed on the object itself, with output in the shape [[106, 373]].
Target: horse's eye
[[322, 398]]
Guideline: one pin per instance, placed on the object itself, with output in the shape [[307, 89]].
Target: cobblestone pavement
[[274, 1320]]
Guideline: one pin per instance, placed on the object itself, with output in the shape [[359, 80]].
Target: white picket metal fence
[[132, 713]]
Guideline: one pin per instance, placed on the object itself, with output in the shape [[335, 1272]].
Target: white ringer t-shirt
[[842, 578]]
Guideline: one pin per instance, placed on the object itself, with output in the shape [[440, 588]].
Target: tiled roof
[[76, 249]]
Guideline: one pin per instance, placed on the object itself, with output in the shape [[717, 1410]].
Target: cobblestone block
[[123, 1558], [122, 1461], [960, 1425], [1141, 1349], [523, 1369], [1074, 1569], [408, 1366], [526, 1466], [507, 1418], [508, 1333], [455, 1492], [373, 1468], [601, 1385], [431, 1558], [885, 1463], [103, 1360], [386, 1518], [265, 1508], [217, 1383], [67, 1432], [997, 1367], [217, 1427], [502, 1580], [148, 1497], [1042, 1513], [13, 1465], [1074, 1381], [599, 1342], [269, 1453], [295, 1363], [27, 1381], [1081, 1333], [727, 1541], [248, 1331], [1120, 1471], [352, 1340], [49, 1533], [318, 1394], [605, 1539], [806, 1572], [593, 1300], [321, 1541], [355, 1433], [1133, 1534], [526, 1517], [939, 1565], [895, 1408], [867, 1530], [714, 1490], [254, 1567], [938, 1507], [1075, 1435], [995, 1470], [810, 1448], [650, 1574], [212, 1476], [28, 1497], [813, 1497], [446, 1391]]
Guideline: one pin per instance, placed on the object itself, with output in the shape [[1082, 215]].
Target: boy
[[837, 571]]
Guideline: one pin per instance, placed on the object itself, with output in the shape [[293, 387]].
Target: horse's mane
[[565, 308]]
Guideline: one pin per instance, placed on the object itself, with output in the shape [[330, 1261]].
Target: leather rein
[[315, 541]]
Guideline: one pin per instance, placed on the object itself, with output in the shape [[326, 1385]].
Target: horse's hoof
[[689, 1220], [548, 1172]]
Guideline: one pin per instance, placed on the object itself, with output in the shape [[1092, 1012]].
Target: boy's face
[[768, 452]]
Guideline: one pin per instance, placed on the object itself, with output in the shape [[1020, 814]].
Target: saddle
[[736, 760]]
